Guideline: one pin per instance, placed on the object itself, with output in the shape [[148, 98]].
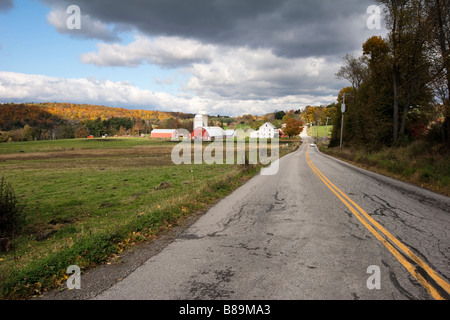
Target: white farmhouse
[[268, 131]]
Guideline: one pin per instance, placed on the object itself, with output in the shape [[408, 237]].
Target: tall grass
[[419, 163]]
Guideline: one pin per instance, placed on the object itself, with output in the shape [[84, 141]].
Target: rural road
[[289, 236], [292, 237]]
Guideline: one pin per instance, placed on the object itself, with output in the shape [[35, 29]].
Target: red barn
[[164, 133], [281, 134], [208, 133]]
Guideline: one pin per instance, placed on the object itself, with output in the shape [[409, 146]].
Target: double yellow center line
[[426, 276]]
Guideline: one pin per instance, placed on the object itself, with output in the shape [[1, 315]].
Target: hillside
[[40, 121], [18, 115]]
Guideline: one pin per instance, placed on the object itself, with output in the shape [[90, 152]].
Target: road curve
[[290, 236]]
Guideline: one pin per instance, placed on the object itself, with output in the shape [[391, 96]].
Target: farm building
[[203, 132], [254, 135], [208, 133], [164, 133], [266, 131], [230, 133], [201, 120]]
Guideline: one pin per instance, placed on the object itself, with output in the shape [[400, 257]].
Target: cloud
[[290, 28], [6, 5], [224, 72], [237, 56], [91, 28], [259, 74], [168, 52], [25, 87], [20, 87]]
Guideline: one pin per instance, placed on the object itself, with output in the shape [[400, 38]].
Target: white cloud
[[223, 72], [245, 73], [168, 52], [19, 87]]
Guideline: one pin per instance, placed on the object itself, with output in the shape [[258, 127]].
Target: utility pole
[[326, 130], [317, 131], [343, 109]]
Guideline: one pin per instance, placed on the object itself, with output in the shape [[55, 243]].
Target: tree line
[[400, 85], [47, 121]]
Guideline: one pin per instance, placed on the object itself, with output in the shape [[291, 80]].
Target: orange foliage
[[17, 115]]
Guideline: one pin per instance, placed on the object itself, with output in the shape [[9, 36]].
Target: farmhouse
[[266, 131], [164, 133]]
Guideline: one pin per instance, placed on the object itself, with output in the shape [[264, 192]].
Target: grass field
[[320, 131], [419, 163], [74, 144], [89, 199]]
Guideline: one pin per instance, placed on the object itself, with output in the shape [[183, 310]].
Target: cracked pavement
[[288, 237]]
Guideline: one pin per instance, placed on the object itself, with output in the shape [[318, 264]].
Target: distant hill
[[13, 116]]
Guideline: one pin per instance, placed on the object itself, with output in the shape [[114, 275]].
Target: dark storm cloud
[[291, 28], [5, 5]]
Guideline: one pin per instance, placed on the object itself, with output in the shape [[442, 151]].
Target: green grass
[[239, 126], [419, 163], [74, 144], [320, 131], [93, 199]]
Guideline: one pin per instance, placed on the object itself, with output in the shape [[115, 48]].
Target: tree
[[355, 70], [407, 22], [12, 217], [279, 115], [81, 132], [170, 123], [95, 127], [28, 133], [438, 43], [138, 127], [293, 127], [122, 131], [287, 117], [329, 113]]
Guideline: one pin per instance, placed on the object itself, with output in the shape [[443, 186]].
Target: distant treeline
[[45, 121], [48, 121]]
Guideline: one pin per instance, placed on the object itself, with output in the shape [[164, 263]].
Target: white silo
[[201, 119]]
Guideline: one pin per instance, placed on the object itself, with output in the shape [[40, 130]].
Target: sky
[[227, 57]]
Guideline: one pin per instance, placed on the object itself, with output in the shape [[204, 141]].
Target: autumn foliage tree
[[399, 83], [42, 121], [292, 127]]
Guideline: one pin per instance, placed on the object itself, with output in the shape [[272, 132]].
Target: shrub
[[81, 132], [12, 217]]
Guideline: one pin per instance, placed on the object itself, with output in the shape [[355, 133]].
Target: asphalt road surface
[[318, 229]]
